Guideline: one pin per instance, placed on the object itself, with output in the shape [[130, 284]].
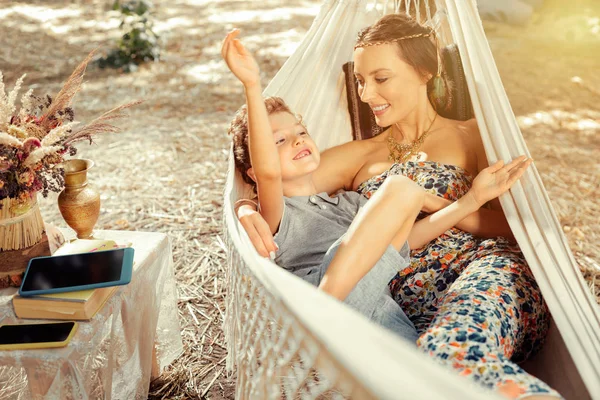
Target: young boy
[[347, 246]]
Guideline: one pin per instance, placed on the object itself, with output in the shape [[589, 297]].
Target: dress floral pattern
[[474, 301]]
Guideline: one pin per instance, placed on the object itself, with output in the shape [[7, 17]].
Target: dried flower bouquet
[[35, 139], [34, 142]]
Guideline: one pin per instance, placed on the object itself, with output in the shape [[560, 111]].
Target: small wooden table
[[114, 355]]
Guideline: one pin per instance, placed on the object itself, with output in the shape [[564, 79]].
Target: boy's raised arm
[[264, 156]]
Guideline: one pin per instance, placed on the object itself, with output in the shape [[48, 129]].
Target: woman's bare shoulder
[[340, 164], [462, 139], [469, 127], [473, 140], [467, 131]]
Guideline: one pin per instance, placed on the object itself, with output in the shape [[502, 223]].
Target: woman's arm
[[489, 184], [340, 164], [257, 229], [488, 221], [481, 223], [432, 226]]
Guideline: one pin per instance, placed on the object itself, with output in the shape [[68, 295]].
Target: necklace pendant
[[401, 152]]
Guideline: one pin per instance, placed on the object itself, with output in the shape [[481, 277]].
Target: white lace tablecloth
[[113, 356]]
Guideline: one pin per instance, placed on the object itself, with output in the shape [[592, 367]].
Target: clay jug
[[79, 203]]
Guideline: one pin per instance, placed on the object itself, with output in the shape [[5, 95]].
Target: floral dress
[[473, 301]]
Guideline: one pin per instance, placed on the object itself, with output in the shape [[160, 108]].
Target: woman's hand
[[258, 231], [496, 179], [239, 60]]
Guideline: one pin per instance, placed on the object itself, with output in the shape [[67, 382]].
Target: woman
[[474, 301]]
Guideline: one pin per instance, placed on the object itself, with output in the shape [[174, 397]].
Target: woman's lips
[[378, 110]]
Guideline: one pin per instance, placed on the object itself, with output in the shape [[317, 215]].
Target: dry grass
[[167, 170]]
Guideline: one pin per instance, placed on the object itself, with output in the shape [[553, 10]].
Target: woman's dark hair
[[415, 44]]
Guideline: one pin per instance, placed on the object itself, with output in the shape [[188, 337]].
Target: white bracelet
[[241, 202]]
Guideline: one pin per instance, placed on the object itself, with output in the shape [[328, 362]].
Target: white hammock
[[287, 339]]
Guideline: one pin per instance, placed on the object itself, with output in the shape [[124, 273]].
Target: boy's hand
[[239, 60], [496, 179]]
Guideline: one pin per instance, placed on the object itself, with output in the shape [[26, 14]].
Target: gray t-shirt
[[310, 225]]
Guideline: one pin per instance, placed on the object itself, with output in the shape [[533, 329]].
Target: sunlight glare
[[51, 19], [263, 15], [584, 121], [284, 43], [165, 26], [198, 2], [42, 14], [211, 72]]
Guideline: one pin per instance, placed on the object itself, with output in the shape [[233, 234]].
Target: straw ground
[[165, 172]]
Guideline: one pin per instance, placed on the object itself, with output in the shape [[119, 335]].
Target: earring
[[439, 94], [439, 89]]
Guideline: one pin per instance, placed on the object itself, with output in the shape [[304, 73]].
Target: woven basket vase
[[21, 238]]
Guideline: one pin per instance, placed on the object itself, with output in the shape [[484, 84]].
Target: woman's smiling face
[[389, 85]]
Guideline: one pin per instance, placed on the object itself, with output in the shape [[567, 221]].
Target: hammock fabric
[[287, 339]]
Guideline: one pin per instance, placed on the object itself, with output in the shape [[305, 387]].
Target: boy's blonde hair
[[238, 129]]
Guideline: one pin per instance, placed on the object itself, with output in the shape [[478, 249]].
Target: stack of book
[[80, 305]]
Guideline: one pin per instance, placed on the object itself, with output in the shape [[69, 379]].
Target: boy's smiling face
[[298, 153]]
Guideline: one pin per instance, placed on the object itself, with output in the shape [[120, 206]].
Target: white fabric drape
[[527, 207], [311, 80], [348, 352]]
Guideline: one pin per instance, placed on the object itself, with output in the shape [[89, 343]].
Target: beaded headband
[[418, 35]]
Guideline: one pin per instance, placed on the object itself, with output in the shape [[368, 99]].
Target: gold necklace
[[400, 152]]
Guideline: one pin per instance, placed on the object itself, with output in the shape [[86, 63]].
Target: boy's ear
[[250, 173]]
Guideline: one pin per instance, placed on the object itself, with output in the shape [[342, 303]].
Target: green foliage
[[140, 43], [132, 7]]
